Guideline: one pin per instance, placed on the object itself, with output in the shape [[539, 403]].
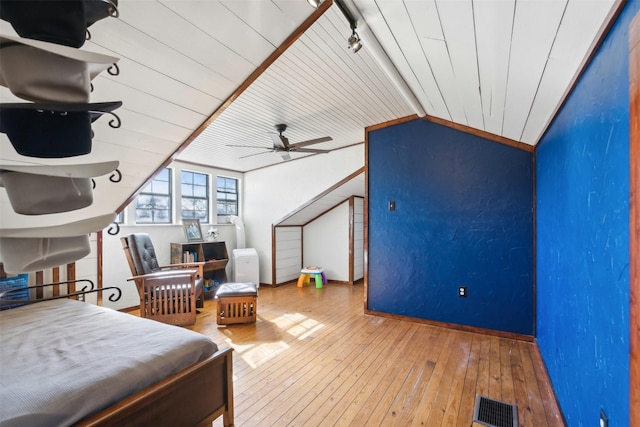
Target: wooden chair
[[169, 294]]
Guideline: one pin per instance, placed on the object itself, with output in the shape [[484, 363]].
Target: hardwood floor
[[314, 359]]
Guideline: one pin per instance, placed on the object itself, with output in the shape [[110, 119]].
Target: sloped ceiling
[[352, 185], [498, 66]]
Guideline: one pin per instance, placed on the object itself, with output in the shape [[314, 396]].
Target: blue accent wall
[[463, 216], [582, 222]]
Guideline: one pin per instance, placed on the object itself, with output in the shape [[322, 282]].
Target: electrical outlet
[[462, 291], [604, 421]]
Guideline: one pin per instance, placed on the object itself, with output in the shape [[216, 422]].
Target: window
[[153, 204], [227, 199], [195, 196], [119, 218]]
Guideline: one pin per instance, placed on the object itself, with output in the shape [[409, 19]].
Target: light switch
[[392, 205]]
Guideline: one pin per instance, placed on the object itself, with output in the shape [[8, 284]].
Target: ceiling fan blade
[[251, 155], [311, 141], [248, 146], [309, 150]]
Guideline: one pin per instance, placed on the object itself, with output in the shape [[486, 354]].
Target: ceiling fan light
[[314, 3]]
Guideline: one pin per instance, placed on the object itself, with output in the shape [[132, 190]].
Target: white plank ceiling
[[325, 202], [501, 66]]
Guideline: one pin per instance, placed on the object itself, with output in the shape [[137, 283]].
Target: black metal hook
[[114, 70], [116, 176], [115, 122], [111, 229]]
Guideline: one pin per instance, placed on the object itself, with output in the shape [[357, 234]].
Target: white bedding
[[63, 360]]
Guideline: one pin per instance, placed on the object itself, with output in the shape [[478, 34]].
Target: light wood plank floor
[[314, 359]]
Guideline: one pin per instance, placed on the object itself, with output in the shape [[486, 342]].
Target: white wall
[[272, 193], [326, 243]]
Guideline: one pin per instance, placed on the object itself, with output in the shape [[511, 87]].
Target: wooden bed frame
[[195, 396]]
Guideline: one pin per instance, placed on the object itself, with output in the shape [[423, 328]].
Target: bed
[[67, 362]]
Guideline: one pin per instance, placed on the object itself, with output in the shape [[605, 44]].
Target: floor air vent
[[494, 413]]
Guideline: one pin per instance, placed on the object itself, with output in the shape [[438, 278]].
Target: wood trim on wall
[[302, 246], [389, 123], [39, 281], [455, 326], [535, 249], [326, 211], [324, 6], [482, 134], [462, 128], [365, 220], [273, 255], [100, 254], [351, 237], [634, 222]]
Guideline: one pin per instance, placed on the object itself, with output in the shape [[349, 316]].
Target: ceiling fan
[[282, 146]]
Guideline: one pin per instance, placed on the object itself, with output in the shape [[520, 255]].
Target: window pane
[[160, 187], [143, 201], [143, 216], [187, 177], [163, 175], [153, 204], [160, 215], [195, 196], [227, 196], [187, 190], [199, 191], [187, 204], [200, 179]]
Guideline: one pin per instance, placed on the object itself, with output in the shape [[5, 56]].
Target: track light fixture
[[354, 39], [314, 3]]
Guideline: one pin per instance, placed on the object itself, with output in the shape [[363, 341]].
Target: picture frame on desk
[[192, 230]]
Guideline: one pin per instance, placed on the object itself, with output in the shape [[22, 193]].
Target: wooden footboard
[[193, 397]]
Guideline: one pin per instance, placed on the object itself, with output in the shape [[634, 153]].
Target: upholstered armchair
[[170, 293]]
